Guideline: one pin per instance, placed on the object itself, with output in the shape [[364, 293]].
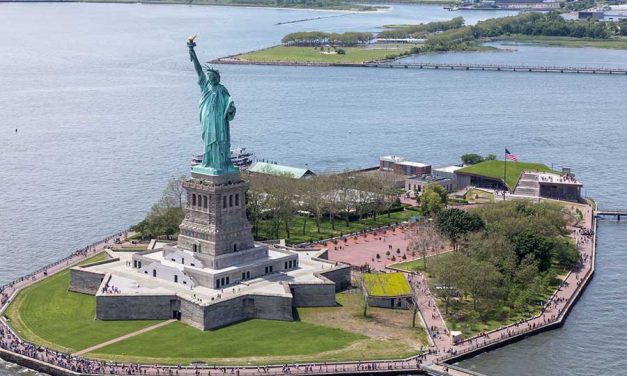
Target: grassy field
[[47, 314], [386, 284], [298, 236], [252, 339], [495, 169], [418, 265], [617, 44], [284, 54], [318, 334]]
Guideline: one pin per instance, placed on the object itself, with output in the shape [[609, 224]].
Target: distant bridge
[[234, 60], [611, 213], [495, 68]]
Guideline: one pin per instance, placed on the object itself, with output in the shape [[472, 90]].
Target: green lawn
[[310, 55], [495, 170], [418, 265], [180, 343], [386, 284], [47, 314], [298, 236]]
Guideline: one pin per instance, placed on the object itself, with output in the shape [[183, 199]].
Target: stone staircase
[[528, 185]]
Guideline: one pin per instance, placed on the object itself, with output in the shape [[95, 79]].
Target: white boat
[[239, 156]]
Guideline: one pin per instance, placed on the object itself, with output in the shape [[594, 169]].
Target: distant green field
[[495, 170], [616, 44], [284, 54], [386, 284]]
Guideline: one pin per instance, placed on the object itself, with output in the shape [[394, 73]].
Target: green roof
[[386, 284], [495, 169], [275, 169]]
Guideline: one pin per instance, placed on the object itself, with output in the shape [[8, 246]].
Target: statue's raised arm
[[192, 56]]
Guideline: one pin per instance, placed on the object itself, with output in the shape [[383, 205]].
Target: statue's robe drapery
[[216, 111]]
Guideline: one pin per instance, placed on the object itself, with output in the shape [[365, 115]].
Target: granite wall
[[135, 307], [84, 281], [313, 295], [341, 276]]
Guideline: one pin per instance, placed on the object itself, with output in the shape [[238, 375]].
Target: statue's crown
[[211, 70]]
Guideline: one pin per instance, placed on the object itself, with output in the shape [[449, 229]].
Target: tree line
[[421, 30], [319, 38], [339, 197]]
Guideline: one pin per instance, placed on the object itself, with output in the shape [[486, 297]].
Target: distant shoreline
[[356, 9]]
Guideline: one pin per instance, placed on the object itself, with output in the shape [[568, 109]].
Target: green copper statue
[[216, 111]]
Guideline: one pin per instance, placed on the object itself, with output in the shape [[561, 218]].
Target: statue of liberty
[[216, 111]]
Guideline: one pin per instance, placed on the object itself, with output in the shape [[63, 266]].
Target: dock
[[611, 213]]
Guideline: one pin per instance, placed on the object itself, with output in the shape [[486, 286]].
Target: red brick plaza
[[362, 249]]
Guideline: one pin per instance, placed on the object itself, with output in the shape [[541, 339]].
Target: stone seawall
[[35, 364], [135, 307]]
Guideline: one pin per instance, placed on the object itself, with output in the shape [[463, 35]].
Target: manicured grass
[[298, 236], [179, 343], [418, 265], [386, 284], [47, 314], [617, 44], [310, 55], [495, 170]]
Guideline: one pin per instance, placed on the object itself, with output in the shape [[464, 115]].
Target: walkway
[[122, 338], [441, 349]]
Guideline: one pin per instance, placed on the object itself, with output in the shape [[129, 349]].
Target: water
[[105, 102]]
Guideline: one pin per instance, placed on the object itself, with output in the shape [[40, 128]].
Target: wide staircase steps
[[528, 185]]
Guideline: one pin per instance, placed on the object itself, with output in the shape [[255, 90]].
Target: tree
[[455, 224], [174, 193], [423, 238], [166, 215], [446, 275], [471, 159], [433, 199]]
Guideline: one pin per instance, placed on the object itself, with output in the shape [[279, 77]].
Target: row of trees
[[547, 24], [541, 24], [421, 30], [507, 254], [280, 199], [319, 38]]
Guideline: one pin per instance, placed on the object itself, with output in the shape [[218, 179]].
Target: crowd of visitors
[[440, 349]]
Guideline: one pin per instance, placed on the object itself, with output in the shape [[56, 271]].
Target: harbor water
[[99, 105]]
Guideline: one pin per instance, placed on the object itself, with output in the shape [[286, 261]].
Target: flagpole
[[505, 170]]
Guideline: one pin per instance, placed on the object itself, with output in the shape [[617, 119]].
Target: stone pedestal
[[215, 225]]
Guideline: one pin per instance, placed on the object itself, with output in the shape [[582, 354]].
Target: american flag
[[510, 156]]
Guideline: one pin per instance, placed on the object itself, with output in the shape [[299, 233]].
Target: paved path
[[442, 349], [122, 338]]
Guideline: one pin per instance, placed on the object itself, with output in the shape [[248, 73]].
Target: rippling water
[[105, 102]]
